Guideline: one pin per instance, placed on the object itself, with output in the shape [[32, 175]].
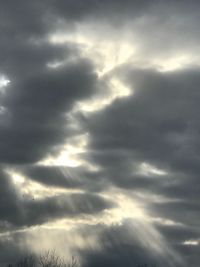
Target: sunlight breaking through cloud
[[191, 243], [27, 189], [106, 54], [70, 154], [148, 170], [3, 82], [116, 90], [99, 131]]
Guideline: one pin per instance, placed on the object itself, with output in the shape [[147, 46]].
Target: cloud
[[27, 211], [37, 107], [109, 88], [7, 192], [160, 116], [11, 249], [52, 176], [35, 102], [156, 126], [120, 246]]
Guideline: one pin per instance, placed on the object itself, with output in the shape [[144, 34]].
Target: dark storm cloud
[[118, 12], [24, 62], [26, 211], [11, 249], [177, 235], [35, 19], [25, 58], [187, 211], [22, 210], [158, 125], [191, 254], [120, 247], [25, 19], [70, 205], [8, 200], [22, 18], [76, 10], [36, 110], [52, 176], [34, 104], [65, 177]]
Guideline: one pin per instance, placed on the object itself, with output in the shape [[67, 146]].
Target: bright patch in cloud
[[148, 170], [106, 54], [3, 81], [116, 90], [191, 243], [70, 153], [29, 189], [166, 222], [174, 63]]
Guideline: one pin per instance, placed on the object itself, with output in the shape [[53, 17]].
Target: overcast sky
[[99, 131]]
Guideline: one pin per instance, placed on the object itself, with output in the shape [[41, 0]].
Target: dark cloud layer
[[36, 108], [52, 176], [160, 116], [38, 97], [157, 125], [120, 247], [23, 210]]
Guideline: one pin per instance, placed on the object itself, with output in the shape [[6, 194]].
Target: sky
[[99, 131]]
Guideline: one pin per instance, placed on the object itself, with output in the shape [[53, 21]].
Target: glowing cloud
[[148, 170]]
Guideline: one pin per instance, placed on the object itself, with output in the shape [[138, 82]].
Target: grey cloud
[[83, 9], [11, 248], [22, 18], [17, 211], [160, 116], [25, 58], [64, 177], [37, 108], [177, 235], [34, 105], [190, 253], [158, 125], [120, 247], [26, 19], [25, 211], [8, 200], [118, 11], [52, 176], [187, 211], [62, 206]]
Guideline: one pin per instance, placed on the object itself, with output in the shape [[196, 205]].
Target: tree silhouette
[[51, 259], [46, 259]]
